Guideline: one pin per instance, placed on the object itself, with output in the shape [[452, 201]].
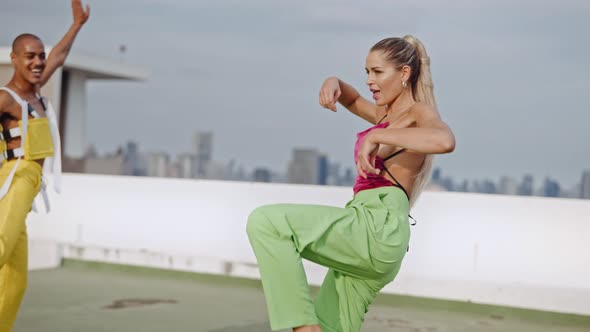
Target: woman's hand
[[329, 93], [366, 156]]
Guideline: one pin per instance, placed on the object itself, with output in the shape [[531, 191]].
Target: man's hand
[[80, 15], [59, 53]]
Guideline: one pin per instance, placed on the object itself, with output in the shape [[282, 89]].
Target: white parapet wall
[[528, 252], [44, 254]]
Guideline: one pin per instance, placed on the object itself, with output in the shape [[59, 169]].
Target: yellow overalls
[[20, 182]]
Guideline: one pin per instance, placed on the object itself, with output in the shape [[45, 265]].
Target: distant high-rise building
[[526, 186], [91, 152], [333, 174], [240, 174], [133, 164], [463, 187], [574, 192], [158, 164], [585, 185], [203, 151], [108, 165], [349, 177], [186, 166], [485, 187], [215, 170], [489, 187], [262, 175], [508, 186], [277, 177], [551, 188], [473, 186], [447, 183], [230, 170], [436, 175], [304, 166], [323, 169], [174, 169]]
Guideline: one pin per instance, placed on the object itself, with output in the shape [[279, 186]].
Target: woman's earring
[[404, 84]]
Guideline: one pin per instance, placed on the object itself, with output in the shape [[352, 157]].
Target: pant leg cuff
[[326, 327], [292, 324]]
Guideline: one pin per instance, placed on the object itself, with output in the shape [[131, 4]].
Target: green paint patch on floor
[[88, 296]]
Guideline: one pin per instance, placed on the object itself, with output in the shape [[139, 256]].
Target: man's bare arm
[[59, 53]]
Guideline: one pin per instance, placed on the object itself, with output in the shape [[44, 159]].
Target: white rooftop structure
[[67, 92]]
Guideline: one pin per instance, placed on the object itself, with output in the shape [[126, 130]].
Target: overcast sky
[[511, 78]]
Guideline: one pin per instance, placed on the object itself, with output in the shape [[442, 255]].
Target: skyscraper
[[158, 164], [488, 187], [132, 162], [304, 166], [551, 188], [262, 175], [508, 186], [203, 152], [323, 169], [585, 185], [349, 177], [333, 174], [447, 183], [526, 186], [436, 175], [186, 165]]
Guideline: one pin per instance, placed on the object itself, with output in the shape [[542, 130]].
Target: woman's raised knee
[[258, 221]]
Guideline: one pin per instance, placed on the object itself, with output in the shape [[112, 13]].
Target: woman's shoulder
[[422, 110], [423, 107]]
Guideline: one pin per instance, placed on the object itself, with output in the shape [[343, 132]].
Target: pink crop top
[[375, 180]]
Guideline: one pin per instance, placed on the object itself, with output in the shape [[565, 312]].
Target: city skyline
[[284, 164], [306, 165]]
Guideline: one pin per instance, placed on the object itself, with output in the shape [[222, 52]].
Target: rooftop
[[89, 296]]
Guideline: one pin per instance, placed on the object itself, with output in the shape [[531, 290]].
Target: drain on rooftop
[[133, 303]]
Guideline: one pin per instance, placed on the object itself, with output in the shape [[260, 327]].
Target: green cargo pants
[[362, 244]]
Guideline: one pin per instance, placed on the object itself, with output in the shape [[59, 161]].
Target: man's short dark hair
[[21, 38]]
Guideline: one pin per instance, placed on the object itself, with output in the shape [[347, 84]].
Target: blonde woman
[[362, 244]]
